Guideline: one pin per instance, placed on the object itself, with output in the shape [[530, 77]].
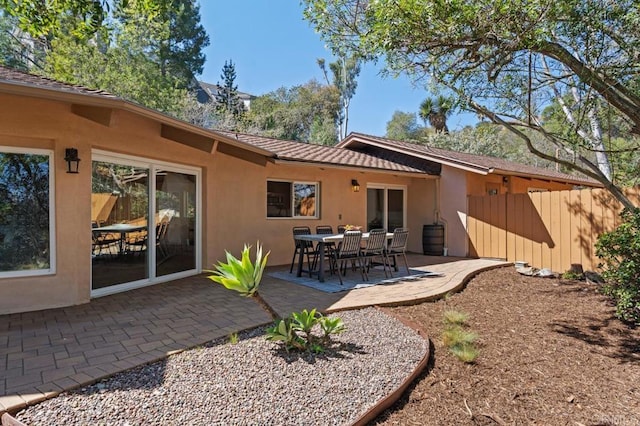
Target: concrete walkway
[[46, 352]]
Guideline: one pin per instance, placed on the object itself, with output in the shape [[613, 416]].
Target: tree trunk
[[618, 95], [263, 303]]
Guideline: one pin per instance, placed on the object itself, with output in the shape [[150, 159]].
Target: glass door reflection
[[119, 224], [175, 221]]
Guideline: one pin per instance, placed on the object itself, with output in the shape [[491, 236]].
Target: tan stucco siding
[[233, 193], [421, 210], [36, 123], [453, 208], [237, 201]]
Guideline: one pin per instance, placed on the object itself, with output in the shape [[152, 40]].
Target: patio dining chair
[[136, 242], [329, 248], [304, 248], [349, 251], [398, 247], [103, 242], [375, 247]]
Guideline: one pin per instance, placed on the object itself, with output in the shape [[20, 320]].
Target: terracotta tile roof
[[310, 153], [12, 76], [482, 163]]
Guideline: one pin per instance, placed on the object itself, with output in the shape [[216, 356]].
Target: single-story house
[[99, 195]]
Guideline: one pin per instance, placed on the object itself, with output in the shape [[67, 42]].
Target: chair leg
[[311, 265], [339, 268], [363, 270], [385, 265], [293, 261], [406, 264]]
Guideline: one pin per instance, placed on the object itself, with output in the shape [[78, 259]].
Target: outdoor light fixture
[[505, 180], [71, 157], [355, 186]]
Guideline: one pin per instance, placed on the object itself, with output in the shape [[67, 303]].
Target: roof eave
[[14, 88], [548, 178], [469, 167], [354, 168]]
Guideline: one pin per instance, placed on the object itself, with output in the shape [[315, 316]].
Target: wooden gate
[[546, 229]]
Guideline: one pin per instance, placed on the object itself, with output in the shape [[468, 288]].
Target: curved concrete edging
[[391, 398], [457, 285], [8, 420]]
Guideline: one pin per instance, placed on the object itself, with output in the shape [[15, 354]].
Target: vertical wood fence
[[546, 229]]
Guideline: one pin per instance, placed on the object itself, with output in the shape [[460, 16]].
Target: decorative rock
[[251, 382]]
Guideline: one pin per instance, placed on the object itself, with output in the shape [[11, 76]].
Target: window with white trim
[[26, 212], [292, 199]]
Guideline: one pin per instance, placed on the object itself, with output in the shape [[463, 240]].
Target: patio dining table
[[322, 240], [123, 229]]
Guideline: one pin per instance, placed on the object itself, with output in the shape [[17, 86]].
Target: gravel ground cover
[[251, 382]]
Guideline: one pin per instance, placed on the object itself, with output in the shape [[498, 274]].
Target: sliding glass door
[[139, 238], [175, 222], [385, 207]]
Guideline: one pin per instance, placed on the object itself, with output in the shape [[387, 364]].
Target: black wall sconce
[[505, 180], [71, 157], [355, 186]]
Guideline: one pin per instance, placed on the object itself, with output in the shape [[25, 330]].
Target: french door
[[145, 222], [386, 207]]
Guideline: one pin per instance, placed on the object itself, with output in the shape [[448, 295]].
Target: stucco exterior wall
[[37, 123], [453, 207], [422, 205], [237, 200], [233, 193]]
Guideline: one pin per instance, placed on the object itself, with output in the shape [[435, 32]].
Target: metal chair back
[[375, 242], [375, 247], [399, 242], [324, 230], [350, 246], [302, 230], [341, 229]]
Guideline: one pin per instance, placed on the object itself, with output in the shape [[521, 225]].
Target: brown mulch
[[551, 353]]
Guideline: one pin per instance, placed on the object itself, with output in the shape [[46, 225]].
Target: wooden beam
[[185, 137], [242, 154], [100, 115]]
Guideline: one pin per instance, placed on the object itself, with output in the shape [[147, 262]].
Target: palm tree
[[435, 111]]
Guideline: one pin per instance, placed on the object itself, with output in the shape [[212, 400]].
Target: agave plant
[[243, 276]]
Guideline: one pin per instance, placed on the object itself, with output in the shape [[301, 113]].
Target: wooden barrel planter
[[433, 240]]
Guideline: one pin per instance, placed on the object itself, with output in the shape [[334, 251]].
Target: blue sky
[[272, 46]]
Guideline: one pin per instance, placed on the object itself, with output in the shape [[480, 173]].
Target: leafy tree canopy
[[506, 59], [404, 126], [306, 113]]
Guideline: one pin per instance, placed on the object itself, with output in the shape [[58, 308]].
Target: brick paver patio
[[46, 352]]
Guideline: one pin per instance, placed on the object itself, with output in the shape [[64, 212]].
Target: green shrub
[[619, 251], [455, 317], [296, 331], [573, 275], [465, 352], [460, 342], [456, 335]]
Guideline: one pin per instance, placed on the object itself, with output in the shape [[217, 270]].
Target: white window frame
[[292, 184], [52, 217], [153, 166], [386, 189]]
